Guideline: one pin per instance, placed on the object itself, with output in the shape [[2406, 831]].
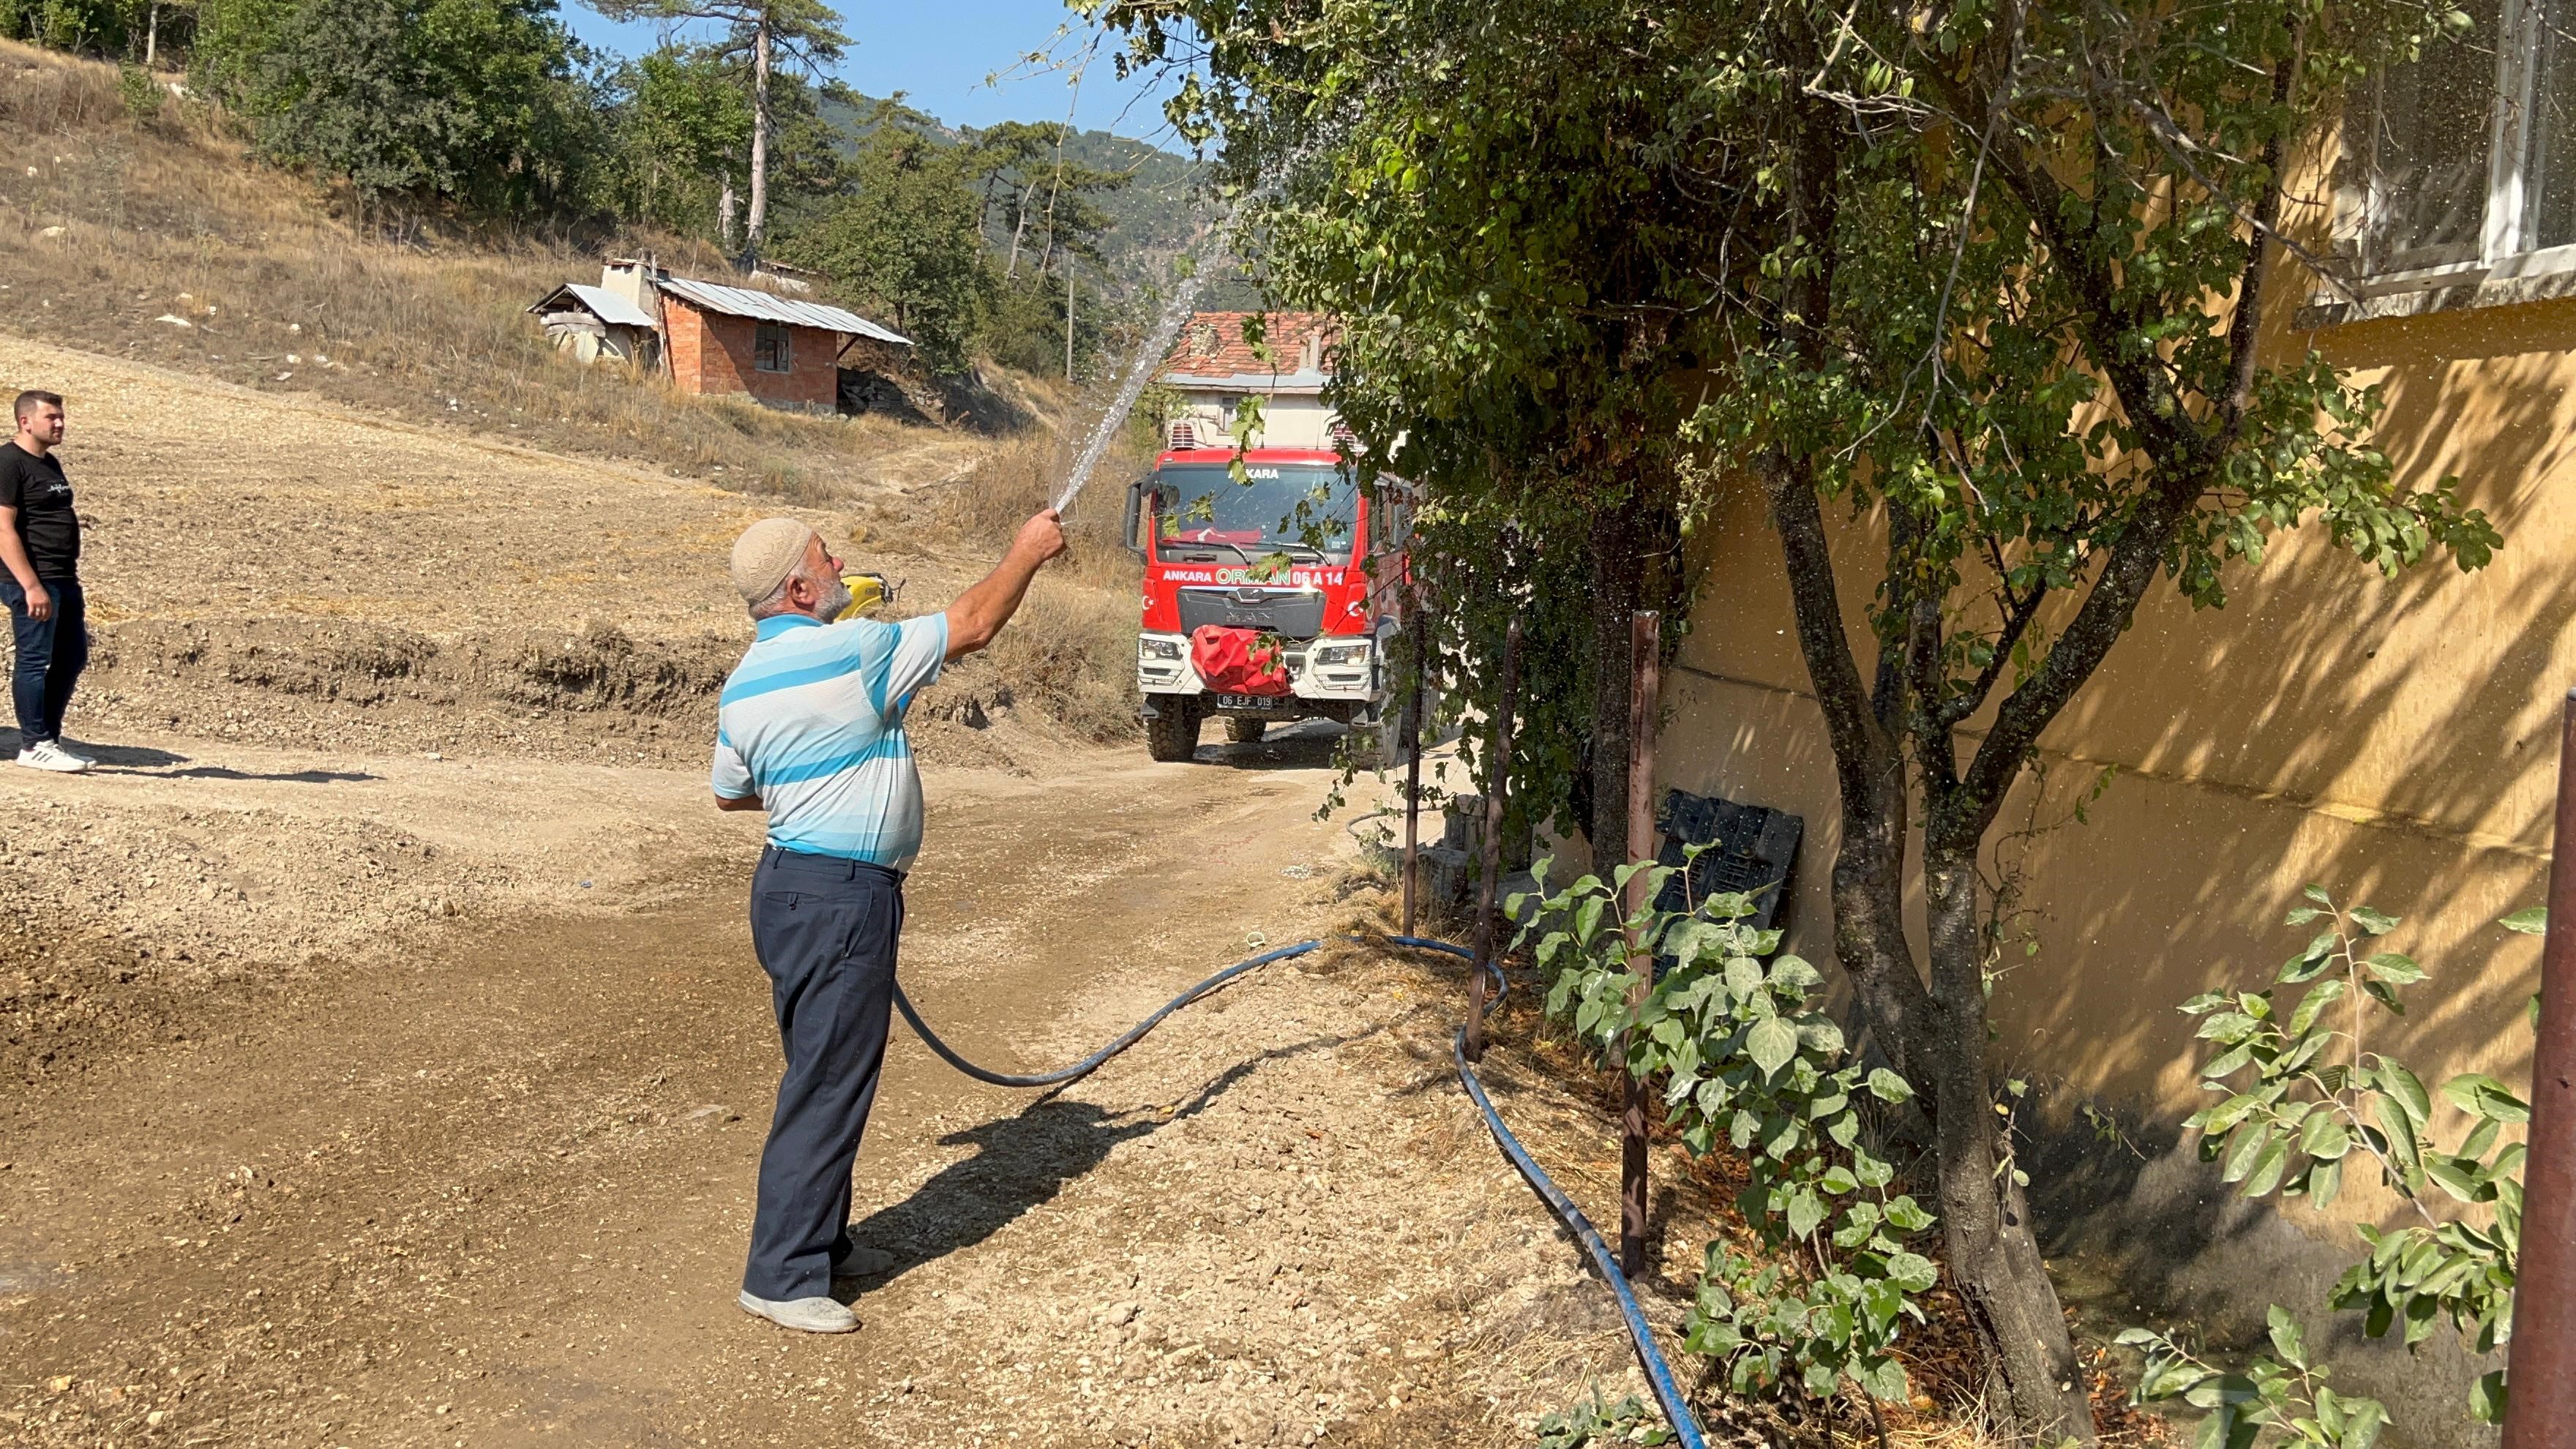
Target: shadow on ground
[[1024, 1161], [144, 760], [1301, 745]]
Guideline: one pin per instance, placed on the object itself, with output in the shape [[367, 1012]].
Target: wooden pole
[[1420, 631], [1644, 632], [2540, 1373], [1498, 777]]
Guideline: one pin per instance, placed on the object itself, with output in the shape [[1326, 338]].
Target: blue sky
[[940, 53]]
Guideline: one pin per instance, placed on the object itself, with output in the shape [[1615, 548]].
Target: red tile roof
[[1211, 344]]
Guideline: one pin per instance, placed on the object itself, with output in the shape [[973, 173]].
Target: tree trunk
[[151, 34], [1869, 768], [1936, 1036], [1985, 1217], [757, 227], [1019, 229], [1618, 577], [725, 215]]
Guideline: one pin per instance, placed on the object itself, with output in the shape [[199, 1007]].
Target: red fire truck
[[1270, 596]]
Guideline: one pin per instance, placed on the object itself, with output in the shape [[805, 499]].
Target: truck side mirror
[[1138, 511]]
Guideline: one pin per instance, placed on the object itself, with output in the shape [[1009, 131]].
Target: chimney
[[632, 279]]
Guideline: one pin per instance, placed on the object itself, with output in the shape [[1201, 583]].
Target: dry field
[[161, 242]]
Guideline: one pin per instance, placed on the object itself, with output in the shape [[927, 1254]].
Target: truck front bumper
[[1335, 676]]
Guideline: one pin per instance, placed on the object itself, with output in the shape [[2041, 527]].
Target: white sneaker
[[808, 1315], [69, 753], [46, 755]]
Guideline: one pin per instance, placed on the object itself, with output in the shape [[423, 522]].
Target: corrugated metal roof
[[611, 307], [744, 302], [606, 305]]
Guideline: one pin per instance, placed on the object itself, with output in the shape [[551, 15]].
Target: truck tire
[[1244, 731], [1172, 735]]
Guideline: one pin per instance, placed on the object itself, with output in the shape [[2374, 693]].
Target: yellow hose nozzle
[[868, 593]]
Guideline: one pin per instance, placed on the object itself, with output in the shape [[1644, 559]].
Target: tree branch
[[2017, 616], [2244, 329]]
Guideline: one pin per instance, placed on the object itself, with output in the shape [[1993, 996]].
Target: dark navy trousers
[[51, 653], [825, 930]]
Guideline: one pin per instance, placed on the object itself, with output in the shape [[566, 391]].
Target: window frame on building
[[770, 339], [2504, 263]]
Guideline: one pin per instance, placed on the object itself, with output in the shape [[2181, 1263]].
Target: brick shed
[[782, 351]]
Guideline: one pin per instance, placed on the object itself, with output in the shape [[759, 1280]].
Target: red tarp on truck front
[[1232, 661]]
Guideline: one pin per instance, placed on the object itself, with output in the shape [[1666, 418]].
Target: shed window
[[769, 349], [2465, 159]]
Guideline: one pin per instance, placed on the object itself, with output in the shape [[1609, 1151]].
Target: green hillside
[[1156, 213]]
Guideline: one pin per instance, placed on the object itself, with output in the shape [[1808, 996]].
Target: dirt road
[[495, 1191]]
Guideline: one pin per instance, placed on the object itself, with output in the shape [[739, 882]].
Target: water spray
[[1158, 341]]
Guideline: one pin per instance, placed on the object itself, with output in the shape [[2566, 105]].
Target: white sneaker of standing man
[[46, 755]]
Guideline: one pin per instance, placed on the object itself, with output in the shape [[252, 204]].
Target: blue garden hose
[[1659, 1375], [1091, 1063]]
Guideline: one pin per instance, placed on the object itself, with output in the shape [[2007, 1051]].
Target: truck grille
[[1291, 613]]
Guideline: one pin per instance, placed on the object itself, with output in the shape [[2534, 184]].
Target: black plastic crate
[[1753, 849]]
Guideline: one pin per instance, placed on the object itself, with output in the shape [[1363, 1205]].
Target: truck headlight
[[1158, 648], [1338, 656]]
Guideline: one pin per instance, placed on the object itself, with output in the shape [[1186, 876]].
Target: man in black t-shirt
[[40, 547]]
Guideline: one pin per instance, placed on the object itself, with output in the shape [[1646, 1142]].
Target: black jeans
[[825, 930], [51, 654]]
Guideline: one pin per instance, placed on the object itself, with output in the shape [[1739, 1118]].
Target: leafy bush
[[141, 94], [475, 101], [2300, 1099], [1745, 1060]]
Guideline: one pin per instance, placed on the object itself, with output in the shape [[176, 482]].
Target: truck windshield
[[1301, 509]]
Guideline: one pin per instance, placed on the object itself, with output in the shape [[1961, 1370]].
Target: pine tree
[[803, 32]]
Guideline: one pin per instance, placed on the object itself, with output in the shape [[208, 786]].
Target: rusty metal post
[[1498, 775], [1420, 629], [2541, 1364], [1644, 633]]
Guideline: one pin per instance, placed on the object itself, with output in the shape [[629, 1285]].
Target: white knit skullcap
[[766, 554]]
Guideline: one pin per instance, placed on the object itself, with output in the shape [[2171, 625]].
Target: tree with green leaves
[[1478, 196], [683, 128], [2012, 269], [1987, 281], [1011, 163], [480, 102], [1028, 183], [906, 240], [682, 119], [805, 33]]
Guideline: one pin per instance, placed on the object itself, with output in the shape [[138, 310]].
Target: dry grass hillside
[[160, 240]]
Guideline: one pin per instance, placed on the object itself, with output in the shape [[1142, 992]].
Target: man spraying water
[[810, 728]]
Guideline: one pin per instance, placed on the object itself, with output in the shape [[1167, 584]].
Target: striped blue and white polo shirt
[[811, 721]]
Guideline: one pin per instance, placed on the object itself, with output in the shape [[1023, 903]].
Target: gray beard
[[829, 607]]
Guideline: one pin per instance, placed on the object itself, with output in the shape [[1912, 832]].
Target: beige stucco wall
[[2393, 740], [1286, 421]]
